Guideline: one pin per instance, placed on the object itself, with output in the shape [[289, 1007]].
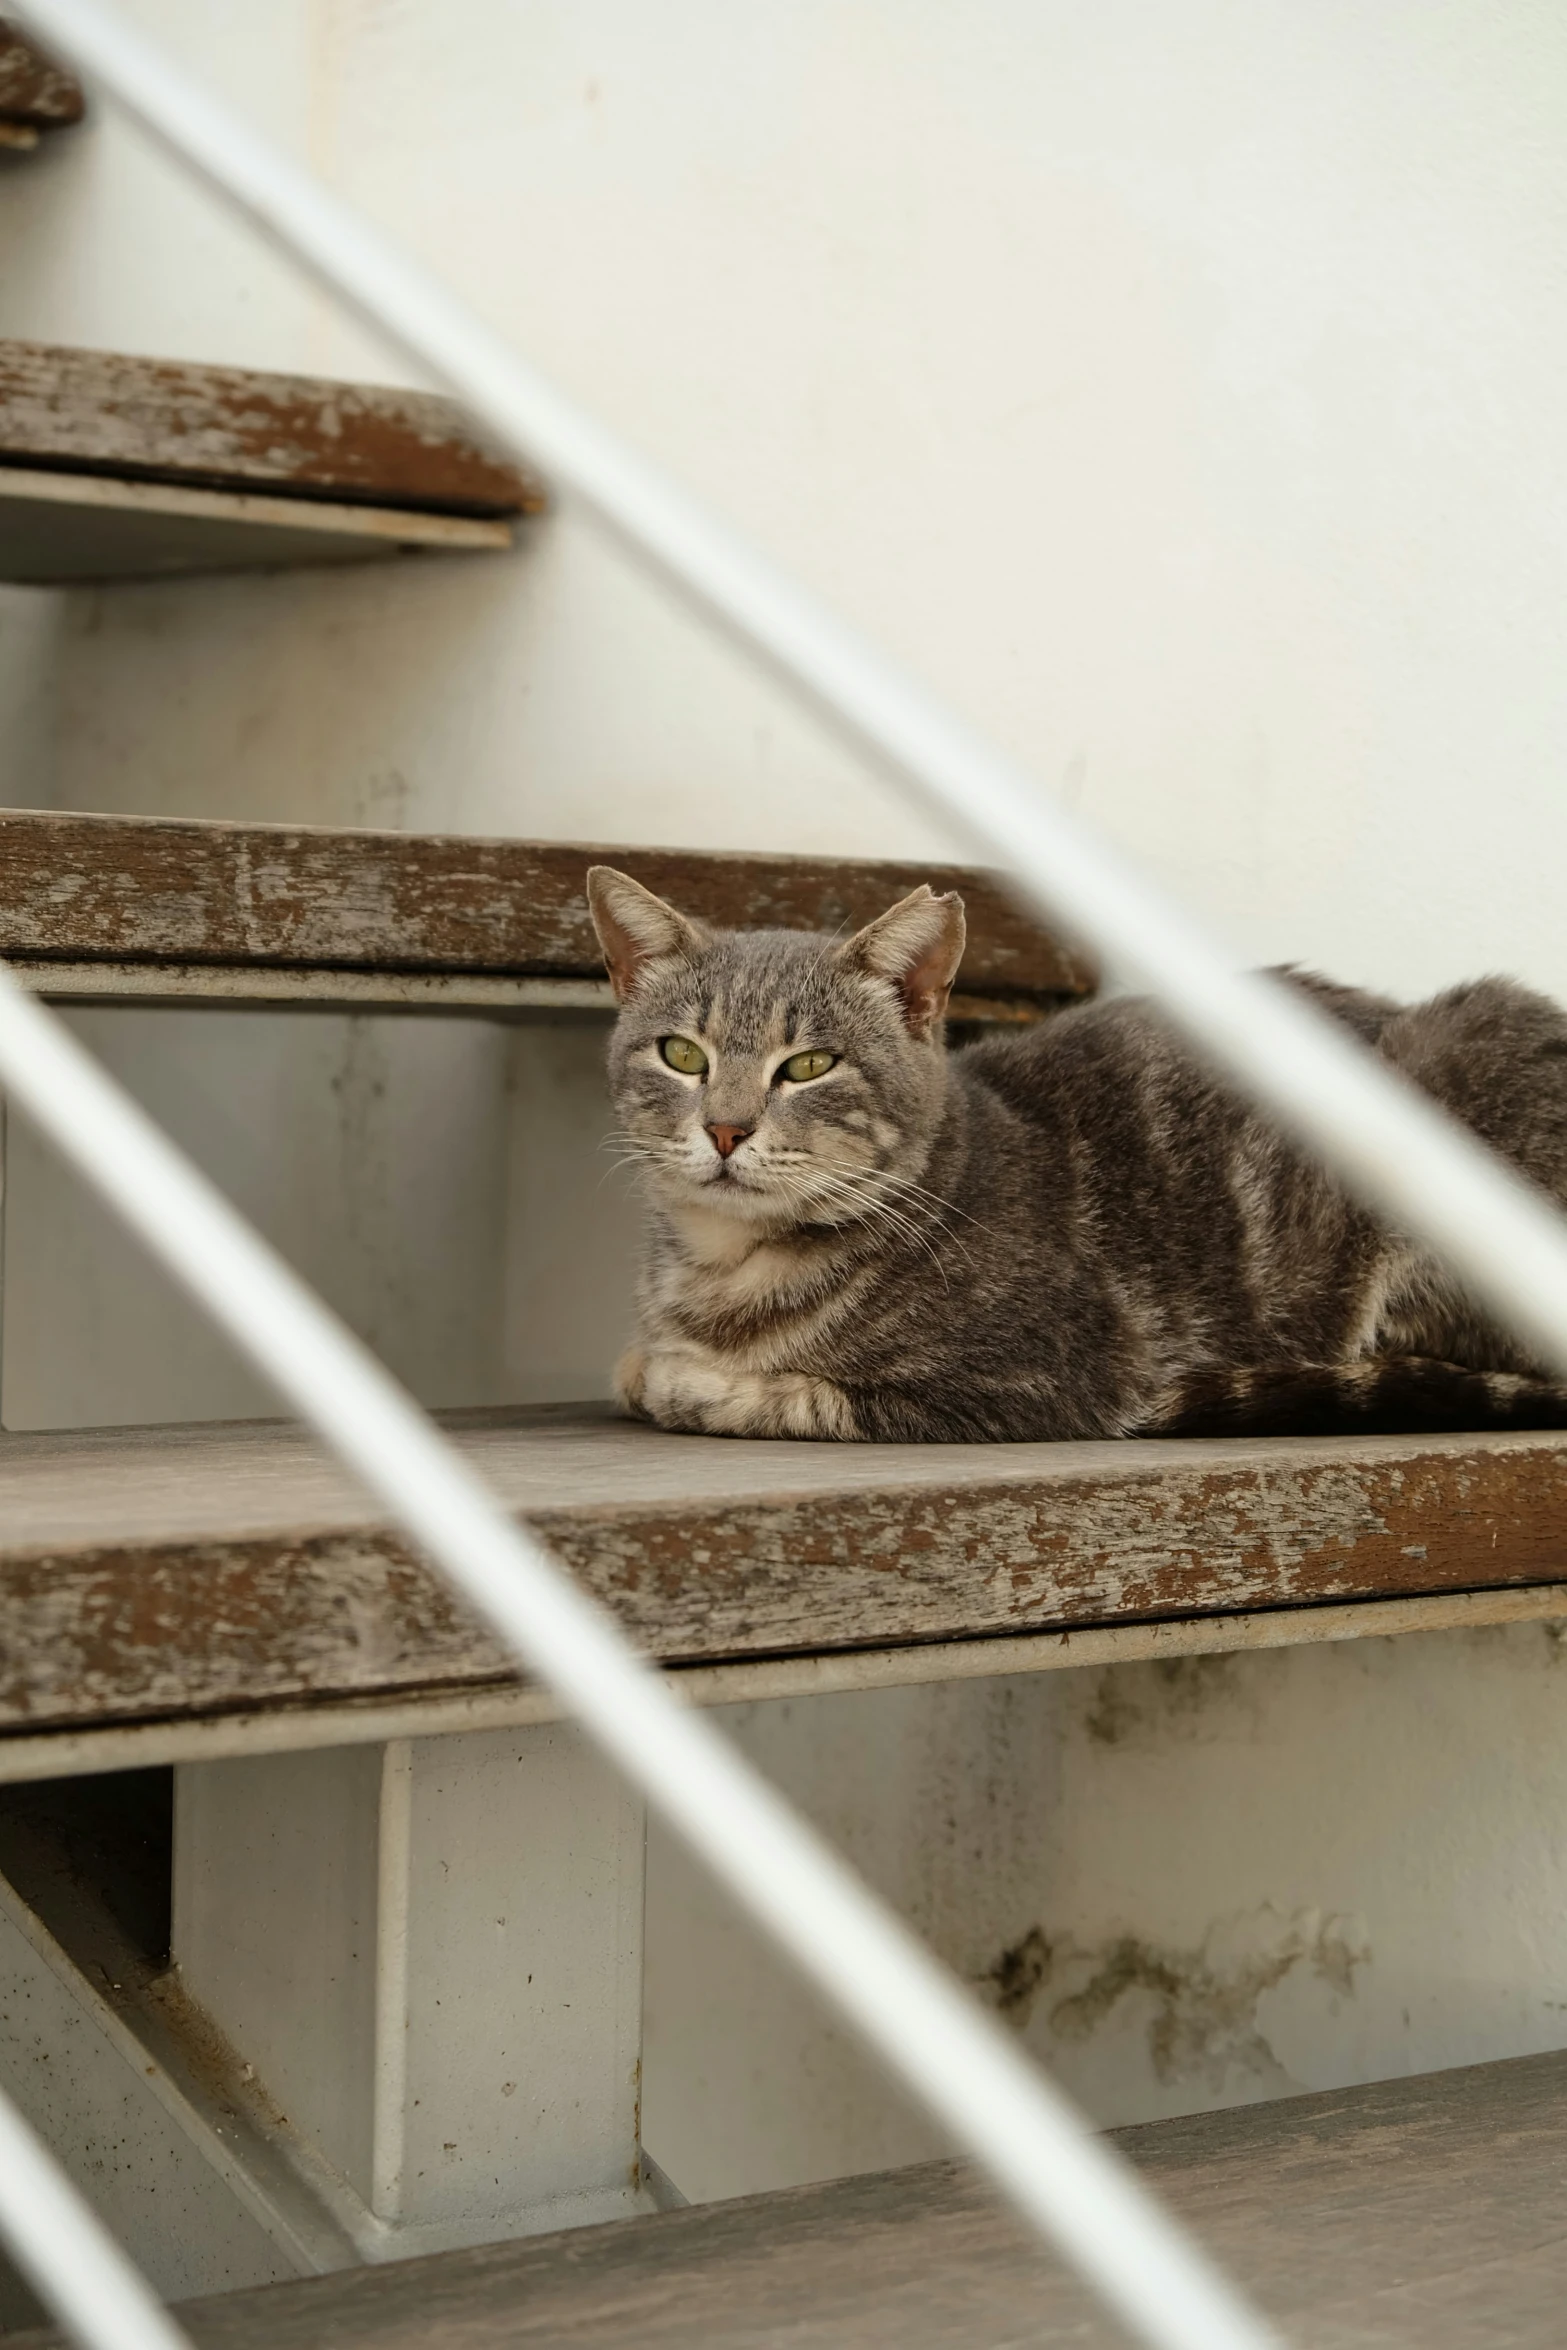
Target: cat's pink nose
[[727, 1139]]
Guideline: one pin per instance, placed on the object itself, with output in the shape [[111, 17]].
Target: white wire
[[64, 2250]]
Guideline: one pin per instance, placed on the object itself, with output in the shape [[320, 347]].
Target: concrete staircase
[[370, 1987]]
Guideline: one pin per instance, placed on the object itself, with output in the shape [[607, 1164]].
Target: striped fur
[[1070, 1231]]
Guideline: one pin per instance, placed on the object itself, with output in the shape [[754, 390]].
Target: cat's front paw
[[697, 1395], [630, 1380]]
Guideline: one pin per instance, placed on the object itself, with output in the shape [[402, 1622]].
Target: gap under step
[[165, 910], [116, 467], [189, 1592], [1419, 2214]]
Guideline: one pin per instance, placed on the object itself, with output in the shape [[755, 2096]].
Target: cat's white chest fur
[[765, 1302], [729, 1317]]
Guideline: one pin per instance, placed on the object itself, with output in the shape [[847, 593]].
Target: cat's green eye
[[682, 1054], [804, 1066]]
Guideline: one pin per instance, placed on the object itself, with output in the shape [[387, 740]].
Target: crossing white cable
[[65, 2251], [1397, 1151]]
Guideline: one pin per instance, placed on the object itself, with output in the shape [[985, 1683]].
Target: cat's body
[[1069, 1231]]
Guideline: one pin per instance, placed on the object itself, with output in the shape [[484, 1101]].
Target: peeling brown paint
[[1174, 1540], [86, 888], [236, 428], [141, 1623], [35, 92]]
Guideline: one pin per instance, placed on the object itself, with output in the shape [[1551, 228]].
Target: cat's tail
[[1384, 1395]]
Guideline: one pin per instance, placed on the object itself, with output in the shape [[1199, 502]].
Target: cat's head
[[778, 1076]]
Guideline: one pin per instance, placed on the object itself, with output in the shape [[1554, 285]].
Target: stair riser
[[431, 1954]]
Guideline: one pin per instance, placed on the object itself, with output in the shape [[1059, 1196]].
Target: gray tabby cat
[[1068, 1231]]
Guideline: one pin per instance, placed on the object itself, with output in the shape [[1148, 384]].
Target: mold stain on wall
[[1182, 1697], [1198, 2009]]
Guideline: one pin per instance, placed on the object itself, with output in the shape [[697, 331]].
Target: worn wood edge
[[973, 1008], [132, 416], [265, 986], [35, 93], [298, 1726], [782, 1553], [403, 525], [270, 986], [460, 893]]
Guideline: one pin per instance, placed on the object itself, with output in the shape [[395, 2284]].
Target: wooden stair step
[[121, 467], [1418, 2214], [161, 909], [171, 1575]]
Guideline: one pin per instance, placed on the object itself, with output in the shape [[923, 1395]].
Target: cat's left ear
[[918, 945], [635, 928]]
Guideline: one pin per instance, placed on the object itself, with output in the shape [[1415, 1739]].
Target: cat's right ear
[[635, 928], [917, 945]]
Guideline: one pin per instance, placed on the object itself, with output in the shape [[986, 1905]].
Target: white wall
[[1186, 1885], [1179, 388], [1175, 386]]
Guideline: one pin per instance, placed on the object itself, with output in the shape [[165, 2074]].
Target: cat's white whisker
[[895, 1177], [863, 1184], [872, 1209], [906, 1183]]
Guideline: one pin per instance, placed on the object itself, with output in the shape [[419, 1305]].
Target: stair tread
[[1419, 2214], [35, 93], [167, 1572], [122, 414], [182, 902], [116, 466]]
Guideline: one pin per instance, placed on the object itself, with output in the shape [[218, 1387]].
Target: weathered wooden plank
[[332, 986], [152, 889], [1419, 2214], [237, 428], [35, 93], [168, 1573], [309, 1724]]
